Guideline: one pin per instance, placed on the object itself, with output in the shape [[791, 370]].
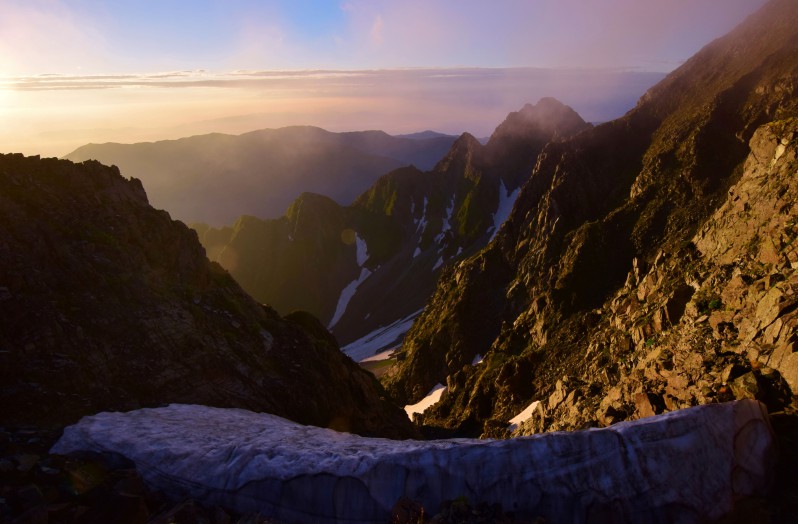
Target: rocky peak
[[461, 155], [596, 202]]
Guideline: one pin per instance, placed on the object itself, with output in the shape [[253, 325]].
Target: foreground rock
[[109, 304], [686, 466]]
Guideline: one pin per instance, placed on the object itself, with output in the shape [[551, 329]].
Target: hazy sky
[[146, 69]]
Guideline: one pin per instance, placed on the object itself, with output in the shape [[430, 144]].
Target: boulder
[[685, 466]]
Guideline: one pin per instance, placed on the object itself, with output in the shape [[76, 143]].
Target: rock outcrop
[[370, 264], [107, 303], [642, 269], [686, 466]]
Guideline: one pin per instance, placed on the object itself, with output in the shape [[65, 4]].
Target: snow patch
[[505, 207], [361, 250], [385, 355], [445, 226], [416, 252], [361, 255], [346, 295], [432, 398], [477, 360], [524, 415], [422, 222], [379, 339], [438, 264]]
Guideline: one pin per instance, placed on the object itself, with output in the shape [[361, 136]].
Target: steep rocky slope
[[595, 297], [108, 304], [375, 263], [215, 178]]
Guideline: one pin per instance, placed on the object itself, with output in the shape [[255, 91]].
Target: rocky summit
[[648, 264], [108, 304]]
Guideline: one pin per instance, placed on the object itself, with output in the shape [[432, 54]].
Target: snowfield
[[683, 466]]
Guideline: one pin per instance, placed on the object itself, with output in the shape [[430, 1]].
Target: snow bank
[[421, 406], [380, 339], [684, 466]]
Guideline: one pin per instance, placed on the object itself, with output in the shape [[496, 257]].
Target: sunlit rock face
[[685, 466]]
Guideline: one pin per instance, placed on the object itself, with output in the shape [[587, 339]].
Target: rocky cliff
[[376, 262], [610, 291], [108, 304]]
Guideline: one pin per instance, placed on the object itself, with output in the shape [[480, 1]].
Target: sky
[[74, 71]]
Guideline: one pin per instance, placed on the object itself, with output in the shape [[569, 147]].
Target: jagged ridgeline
[[639, 271], [375, 263], [108, 304]]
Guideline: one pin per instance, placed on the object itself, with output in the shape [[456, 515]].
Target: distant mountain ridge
[[215, 178], [373, 264]]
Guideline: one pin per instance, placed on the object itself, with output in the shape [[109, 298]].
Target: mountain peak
[[549, 115]]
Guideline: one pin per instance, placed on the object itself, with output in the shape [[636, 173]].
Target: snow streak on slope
[[524, 415], [361, 255], [380, 339], [446, 226], [506, 201], [422, 222], [361, 250], [432, 397]]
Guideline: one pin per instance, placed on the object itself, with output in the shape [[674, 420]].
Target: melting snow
[[506, 201], [432, 397], [524, 415], [477, 359], [379, 339]]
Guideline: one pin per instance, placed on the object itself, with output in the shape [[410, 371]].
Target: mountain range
[[561, 276], [216, 178], [367, 269]]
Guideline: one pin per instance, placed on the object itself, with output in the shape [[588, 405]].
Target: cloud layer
[[53, 114]]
